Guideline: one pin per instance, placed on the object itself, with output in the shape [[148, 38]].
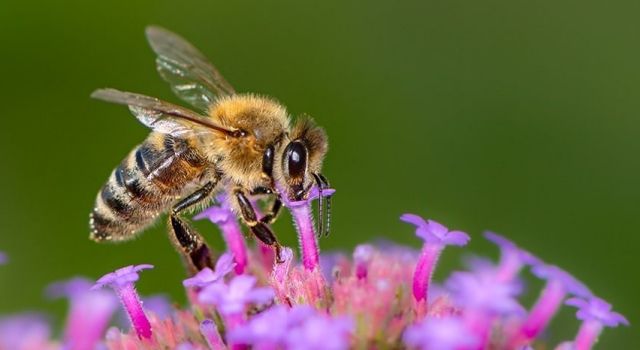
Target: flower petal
[[224, 265], [413, 219], [457, 238]]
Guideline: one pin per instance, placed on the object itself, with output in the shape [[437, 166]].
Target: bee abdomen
[[145, 184], [132, 182], [102, 227], [116, 202], [126, 204]]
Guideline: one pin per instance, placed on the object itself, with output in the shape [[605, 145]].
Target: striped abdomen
[[155, 175]]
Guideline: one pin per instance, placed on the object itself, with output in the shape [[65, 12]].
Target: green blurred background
[[518, 116]]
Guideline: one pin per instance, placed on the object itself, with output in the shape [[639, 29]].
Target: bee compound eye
[[296, 159], [267, 160]]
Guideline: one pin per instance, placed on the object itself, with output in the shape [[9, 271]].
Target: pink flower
[[89, 312], [206, 277], [595, 314], [382, 297], [122, 282], [225, 218], [435, 237]]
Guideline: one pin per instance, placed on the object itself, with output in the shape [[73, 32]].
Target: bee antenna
[[320, 220]]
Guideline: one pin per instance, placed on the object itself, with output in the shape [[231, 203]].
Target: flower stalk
[[307, 236], [424, 270], [226, 220], [588, 334], [131, 302], [303, 219], [543, 310]]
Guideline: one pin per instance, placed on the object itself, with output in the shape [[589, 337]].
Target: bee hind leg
[[257, 227], [188, 242]]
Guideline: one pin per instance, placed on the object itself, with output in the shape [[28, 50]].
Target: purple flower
[[3, 258], [559, 284], [121, 277], [232, 298], [321, 332], [205, 277], [433, 232], [301, 212], [300, 327], [482, 299], [595, 314], [89, 312], [598, 310], [479, 292], [122, 281], [512, 258], [298, 309], [24, 332], [435, 237], [313, 194], [266, 330], [226, 220], [449, 333], [568, 282]]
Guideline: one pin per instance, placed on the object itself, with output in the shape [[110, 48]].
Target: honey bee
[[244, 144]]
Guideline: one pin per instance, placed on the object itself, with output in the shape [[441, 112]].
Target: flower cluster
[[382, 296]]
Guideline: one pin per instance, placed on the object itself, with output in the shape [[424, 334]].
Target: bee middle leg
[[189, 243], [258, 227]]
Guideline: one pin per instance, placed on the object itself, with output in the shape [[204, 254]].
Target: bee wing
[[161, 116], [192, 77]]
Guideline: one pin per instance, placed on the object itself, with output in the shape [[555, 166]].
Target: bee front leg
[[272, 215], [258, 228], [186, 239]]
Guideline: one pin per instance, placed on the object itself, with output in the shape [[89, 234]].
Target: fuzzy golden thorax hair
[[264, 120]]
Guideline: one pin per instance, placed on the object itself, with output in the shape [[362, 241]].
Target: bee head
[[302, 159]]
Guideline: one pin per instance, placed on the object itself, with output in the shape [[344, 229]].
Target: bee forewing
[[192, 77], [154, 120], [159, 115]]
